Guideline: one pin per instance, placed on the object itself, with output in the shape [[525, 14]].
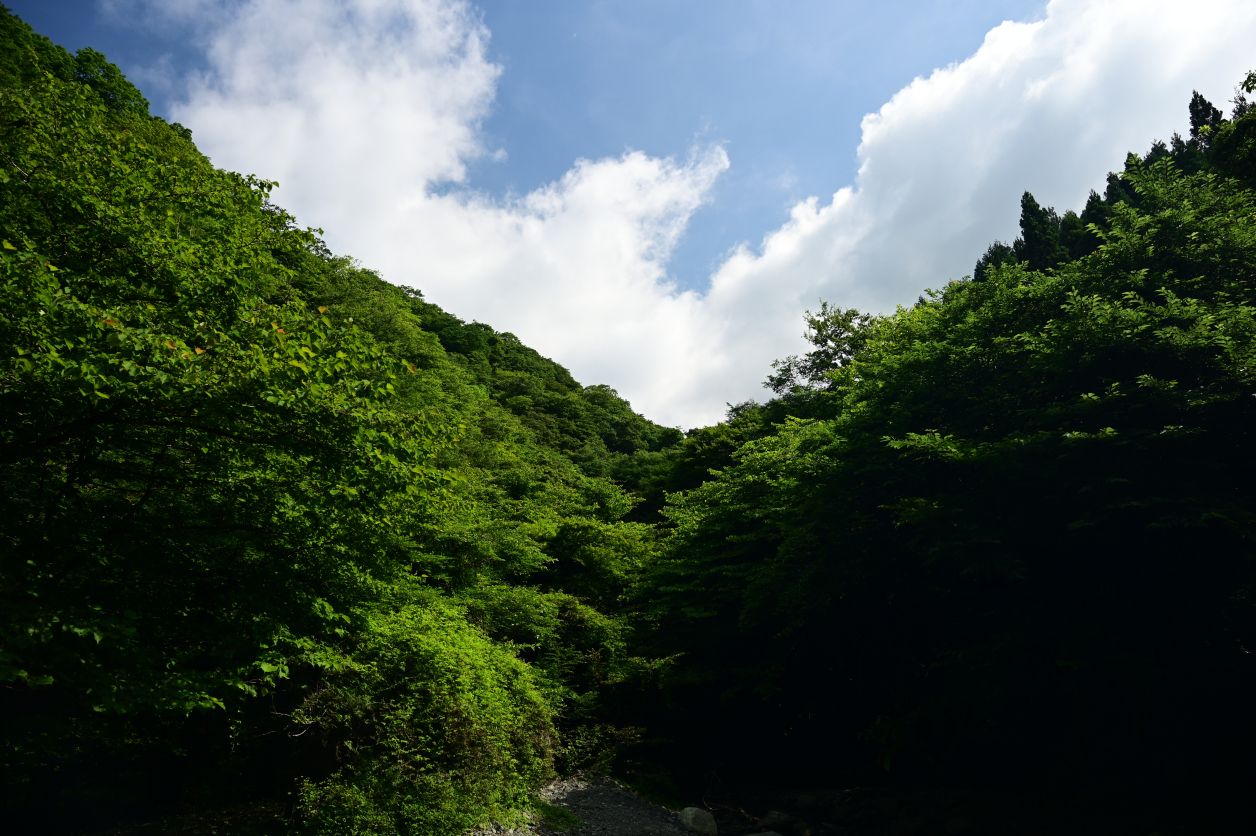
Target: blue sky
[[782, 85], [653, 193]]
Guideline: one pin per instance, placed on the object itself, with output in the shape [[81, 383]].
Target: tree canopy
[[1007, 529]]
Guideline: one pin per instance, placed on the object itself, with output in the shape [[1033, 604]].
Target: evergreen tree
[[1039, 242], [1205, 120]]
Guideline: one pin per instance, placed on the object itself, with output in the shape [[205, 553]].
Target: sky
[[653, 193]]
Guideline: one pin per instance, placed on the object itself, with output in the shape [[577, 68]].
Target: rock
[[699, 821], [805, 801], [775, 820]]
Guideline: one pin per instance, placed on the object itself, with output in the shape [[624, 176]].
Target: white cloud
[[578, 270], [1049, 106], [353, 107], [360, 107]]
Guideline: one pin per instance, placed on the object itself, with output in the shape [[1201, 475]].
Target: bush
[[437, 729]]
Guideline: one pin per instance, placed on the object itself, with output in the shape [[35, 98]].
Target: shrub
[[437, 729]]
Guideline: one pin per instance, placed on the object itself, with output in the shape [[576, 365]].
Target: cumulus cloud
[[1050, 106], [363, 108], [355, 107]]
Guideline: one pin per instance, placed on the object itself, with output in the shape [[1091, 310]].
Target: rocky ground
[[607, 808], [603, 807]]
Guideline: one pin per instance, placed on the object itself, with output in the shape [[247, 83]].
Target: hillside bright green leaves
[[183, 446], [268, 515]]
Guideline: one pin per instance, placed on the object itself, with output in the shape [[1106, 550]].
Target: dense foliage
[[272, 524], [1006, 533], [278, 530]]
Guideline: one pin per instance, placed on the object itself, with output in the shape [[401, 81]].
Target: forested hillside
[[1005, 535], [273, 527], [279, 534]]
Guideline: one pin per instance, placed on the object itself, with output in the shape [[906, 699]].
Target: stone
[[775, 820], [699, 821], [805, 801]]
